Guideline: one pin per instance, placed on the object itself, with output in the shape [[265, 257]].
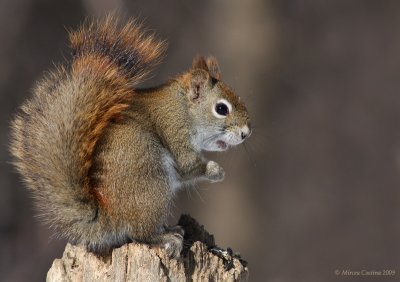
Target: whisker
[[229, 161], [198, 193], [188, 193], [249, 156]]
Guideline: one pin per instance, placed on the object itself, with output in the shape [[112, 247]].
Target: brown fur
[[104, 160], [69, 112], [213, 67]]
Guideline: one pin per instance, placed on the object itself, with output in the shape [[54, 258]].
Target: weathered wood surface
[[201, 260]]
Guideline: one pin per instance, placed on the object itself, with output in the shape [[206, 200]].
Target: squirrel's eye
[[222, 109]]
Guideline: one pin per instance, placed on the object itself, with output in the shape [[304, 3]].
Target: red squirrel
[[104, 159]]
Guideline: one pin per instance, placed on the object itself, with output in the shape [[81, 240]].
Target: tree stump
[[201, 260]]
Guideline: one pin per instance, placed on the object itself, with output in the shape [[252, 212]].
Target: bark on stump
[[201, 260]]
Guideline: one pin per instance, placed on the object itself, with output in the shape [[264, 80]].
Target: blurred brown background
[[316, 187]]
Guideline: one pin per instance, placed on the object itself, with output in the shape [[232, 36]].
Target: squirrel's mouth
[[222, 145]]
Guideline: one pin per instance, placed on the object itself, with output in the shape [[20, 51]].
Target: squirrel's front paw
[[214, 172]]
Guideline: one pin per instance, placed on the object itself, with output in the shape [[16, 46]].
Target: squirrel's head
[[220, 119]]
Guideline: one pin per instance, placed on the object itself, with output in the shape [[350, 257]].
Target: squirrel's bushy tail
[[54, 136]]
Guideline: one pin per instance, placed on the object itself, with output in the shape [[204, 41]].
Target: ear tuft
[[199, 84], [199, 63], [213, 67]]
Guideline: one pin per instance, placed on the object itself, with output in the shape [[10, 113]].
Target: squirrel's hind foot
[[171, 241]]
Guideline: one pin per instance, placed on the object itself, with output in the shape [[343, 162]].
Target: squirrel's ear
[[199, 63], [199, 84], [213, 67]]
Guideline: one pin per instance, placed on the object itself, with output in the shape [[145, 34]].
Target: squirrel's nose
[[245, 132]]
